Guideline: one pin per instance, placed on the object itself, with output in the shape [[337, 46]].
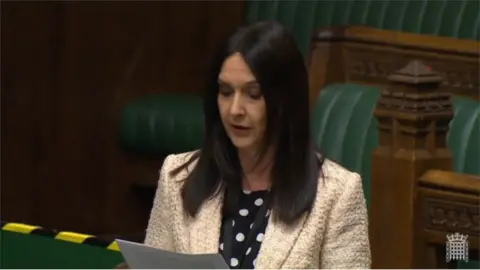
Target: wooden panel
[[67, 70], [448, 203], [30, 42], [366, 55]]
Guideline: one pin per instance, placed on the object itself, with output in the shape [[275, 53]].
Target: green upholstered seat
[[344, 128], [457, 19], [162, 124]]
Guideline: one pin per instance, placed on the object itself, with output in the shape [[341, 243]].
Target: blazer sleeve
[[159, 232], [346, 244]]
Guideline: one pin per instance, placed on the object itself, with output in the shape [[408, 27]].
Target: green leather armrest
[[162, 124]]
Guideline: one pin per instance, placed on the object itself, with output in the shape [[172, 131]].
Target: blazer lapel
[[279, 240], [202, 234], [205, 228]]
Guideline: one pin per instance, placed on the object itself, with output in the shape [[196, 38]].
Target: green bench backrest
[[33, 252], [464, 136], [162, 124], [449, 18], [344, 129]]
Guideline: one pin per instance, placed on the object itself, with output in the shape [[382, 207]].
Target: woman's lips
[[240, 130], [240, 127]]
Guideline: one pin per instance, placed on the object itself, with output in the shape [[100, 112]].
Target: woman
[[257, 192]]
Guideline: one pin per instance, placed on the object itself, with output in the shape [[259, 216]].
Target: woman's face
[[241, 104]]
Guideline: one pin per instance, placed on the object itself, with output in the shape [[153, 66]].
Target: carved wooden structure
[[365, 55], [447, 202], [413, 118], [416, 199]]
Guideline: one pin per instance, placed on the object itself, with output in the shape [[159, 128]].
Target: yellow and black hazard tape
[[60, 235]]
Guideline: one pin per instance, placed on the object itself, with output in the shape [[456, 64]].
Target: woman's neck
[[256, 174]]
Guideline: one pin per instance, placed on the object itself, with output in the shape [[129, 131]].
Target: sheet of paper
[[139, 256]]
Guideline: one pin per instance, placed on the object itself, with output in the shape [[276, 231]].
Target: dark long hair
[[271, 53]]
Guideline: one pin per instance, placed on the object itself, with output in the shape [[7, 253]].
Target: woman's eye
[[225, 90], [255, 92]]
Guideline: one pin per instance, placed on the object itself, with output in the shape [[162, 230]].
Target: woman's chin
[[242, 143]]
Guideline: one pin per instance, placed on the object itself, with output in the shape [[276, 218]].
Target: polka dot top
[[242, 222]]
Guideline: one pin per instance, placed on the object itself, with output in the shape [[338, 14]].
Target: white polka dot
[[243, 212], [268, 213], [240, 237], [221, 246], [246, 191], [248, 250], [233, 262], [254, 262], [251, 225], [233, 223], [260, 237], [258, 202]]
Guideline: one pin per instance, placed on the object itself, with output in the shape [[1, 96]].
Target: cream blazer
[[333, 235]]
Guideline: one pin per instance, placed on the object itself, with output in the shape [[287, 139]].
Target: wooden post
[[413, 118]]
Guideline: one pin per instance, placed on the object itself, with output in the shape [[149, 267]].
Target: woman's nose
[[236, 107]]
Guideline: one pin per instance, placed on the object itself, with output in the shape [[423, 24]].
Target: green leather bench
[[181, 130], [457, 19], [344, 129], [343, 126], [347, 131]]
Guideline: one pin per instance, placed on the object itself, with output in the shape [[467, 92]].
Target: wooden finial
[[416, 72]]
